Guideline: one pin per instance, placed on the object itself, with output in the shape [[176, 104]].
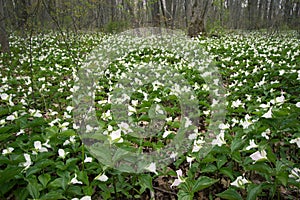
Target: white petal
[[101, 177], [152, 168]]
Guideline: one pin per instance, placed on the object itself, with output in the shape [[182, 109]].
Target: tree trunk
[[155, 13], [197, 24], [4, 41]]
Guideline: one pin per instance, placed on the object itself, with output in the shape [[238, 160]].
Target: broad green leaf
[[209, 168], [56, 183], [53, 195], [32, 170], [260, 167], [4, 136], [82, 176], [33, 189], [184, 196], [75, 190], [44, 179], [9, 173], [8, 186], [88, 190], [68, 133], [21, 193], [236, 155], [253, 191], [145, 181], [230, 194], [221, 160], [203, 182], [283, 177], [227, 171]]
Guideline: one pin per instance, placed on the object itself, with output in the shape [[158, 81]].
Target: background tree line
[[195, 16]]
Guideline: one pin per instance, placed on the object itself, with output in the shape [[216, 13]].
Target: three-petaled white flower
[[152, 168], [268, 114], [240, 182], [219, 139], [75, 181], [7, 151], [179, 178], [295, 173], [101, 177], [259, 155], [62, 153], [115, 136], [297, 141], [27, 162], [251, 145], [38, 147], [83, 198]]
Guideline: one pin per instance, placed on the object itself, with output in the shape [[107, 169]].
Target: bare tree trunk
[[22, 14], [155, 13], [163, 10], [197, 24], [288, 8], [174, 10], [4, 41]]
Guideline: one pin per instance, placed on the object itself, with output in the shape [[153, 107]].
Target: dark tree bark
[[288, 10], [174, 11], [164, 15], [22, 14], [155, 13], [252, 14], [4, 41], [197, 24]]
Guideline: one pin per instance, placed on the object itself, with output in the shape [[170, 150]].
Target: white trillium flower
[[35, 113], [259, 155], [188, 122], [179, 179], [297, 141], [268, 114], [83, 198], [75, 181], [64, 126], [88, 159], [166, 133], [223, 126], [38, 147], [115, 136], [131, 110], [265, 105], [7, 151], [247, 122], [266, 133], [251, 145], [106, 115], [190, 160], [152, 168], [125, 128], [27, 162], [280, 99], [237, 103], [198, 145], [4, 96], [240, 182], [219, 139], [134, 102], [295, 173], [69, 108], [173, 155], [101, 177], [298, 104], [62, 153]]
